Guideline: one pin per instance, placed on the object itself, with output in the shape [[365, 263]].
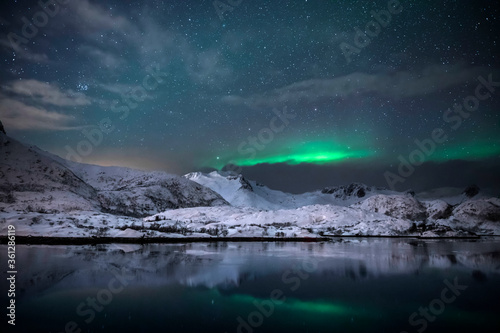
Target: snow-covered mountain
[[241, 192], [32, 180], [45, 195], [454, 195], [132, 192], [354, 209]]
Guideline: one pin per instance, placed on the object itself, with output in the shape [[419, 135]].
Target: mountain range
[[45, 195]]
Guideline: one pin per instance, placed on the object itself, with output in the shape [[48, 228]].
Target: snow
[[240, 192], [399, 206], [437, 209], [36, 181], [45, 195], [481, 210], [452, 195]]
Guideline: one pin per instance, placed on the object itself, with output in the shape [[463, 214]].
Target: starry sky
[[295, 94]]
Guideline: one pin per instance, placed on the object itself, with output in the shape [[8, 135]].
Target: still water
[[348, 285]]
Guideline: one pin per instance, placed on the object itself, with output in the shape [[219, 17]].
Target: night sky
[[300, 94]]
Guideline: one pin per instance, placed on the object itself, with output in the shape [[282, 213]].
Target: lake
[[347, 285]]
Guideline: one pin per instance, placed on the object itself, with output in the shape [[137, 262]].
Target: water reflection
[[349, 284]]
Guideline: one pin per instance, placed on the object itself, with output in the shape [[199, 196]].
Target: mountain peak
[[223, 176], [471, 191], [354, 189]]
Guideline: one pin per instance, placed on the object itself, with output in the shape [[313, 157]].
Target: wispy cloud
[[45, 93], [117, 88], [207, 67], [105, 58], [145, 37], [122, 90], [397, 85], [24, 52], [152, 42], [92, 18], [17, 115]]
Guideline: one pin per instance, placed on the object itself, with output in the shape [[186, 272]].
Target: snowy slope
[[34, 180], [240, 192], [454, 195], [304, 221], [458, 209], [399, 206], [30, 181], [139, 193], [480, 210]]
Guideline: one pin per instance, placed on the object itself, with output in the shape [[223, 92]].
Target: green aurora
[[474, 150], [330, 153], [318, 152], [315, 157]]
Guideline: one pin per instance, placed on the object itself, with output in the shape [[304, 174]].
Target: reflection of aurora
[[359, 285], [293, 304], [320, 310], [326, 311]]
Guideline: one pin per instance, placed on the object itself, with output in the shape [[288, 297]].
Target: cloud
[[92, 18], [46, 93], [402, 84], [149, 39], [154, 43], [106, 59], [25, 53], [207, 67], [17, 115], [123, 90], [117, 88]]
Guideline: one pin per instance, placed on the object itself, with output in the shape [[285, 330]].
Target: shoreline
[[42, 240]]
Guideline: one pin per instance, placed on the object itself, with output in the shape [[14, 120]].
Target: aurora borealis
[[321, 153], [266, 86]]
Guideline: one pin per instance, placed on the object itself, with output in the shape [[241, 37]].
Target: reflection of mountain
[[226, 265]]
